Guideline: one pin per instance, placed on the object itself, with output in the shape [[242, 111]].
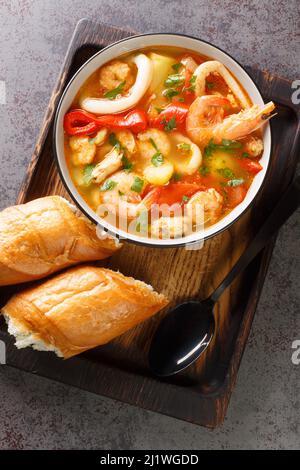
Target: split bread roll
[[79, 309], [44, 236]]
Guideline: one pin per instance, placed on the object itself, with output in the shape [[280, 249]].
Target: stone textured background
[[264, 410]]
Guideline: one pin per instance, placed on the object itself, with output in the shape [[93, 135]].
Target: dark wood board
[[119, 370]]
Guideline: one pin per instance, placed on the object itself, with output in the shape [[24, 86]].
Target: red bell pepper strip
[[235, 195], [178, 111], [174, 192], [135, 120], [80, 122], [250, 166]]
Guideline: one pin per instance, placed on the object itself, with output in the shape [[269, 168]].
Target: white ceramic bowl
[[139, 42]]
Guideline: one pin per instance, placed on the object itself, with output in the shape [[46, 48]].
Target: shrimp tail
[[238, 126]]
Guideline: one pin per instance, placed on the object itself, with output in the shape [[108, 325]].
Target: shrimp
[[111, 163], [122, 199], [152, 141], [100, 137], [254, 146], [115, 73], [213, 66], [127, 140], [169, 227], [205, 120], [205, 206], [83, 150]]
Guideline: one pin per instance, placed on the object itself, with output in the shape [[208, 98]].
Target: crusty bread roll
[[79, 309], [44, 236]]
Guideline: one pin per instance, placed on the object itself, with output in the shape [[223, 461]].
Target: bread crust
[[44, 236], [83, 307]]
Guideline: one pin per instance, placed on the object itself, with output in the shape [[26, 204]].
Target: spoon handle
[[287, 204]]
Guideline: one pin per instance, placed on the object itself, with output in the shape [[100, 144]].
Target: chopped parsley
[[127, 164], [226, 172], [174, 80], [169, 125], [159, 110], [226, 145], [209, 85], [137, 184], [245, 155], [108, 185], [235, 182], [112, 94], [192, 84], [112, 139], [185, 198], [157, 159], [154, 144], [204, 170], [177, 176], [87, 174], [170, 93], [121, 193], [177, 67], [184, 147]]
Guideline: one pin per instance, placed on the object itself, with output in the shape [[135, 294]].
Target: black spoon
[[187, 330]]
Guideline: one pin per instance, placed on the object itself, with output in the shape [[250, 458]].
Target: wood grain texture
[[119, 370]]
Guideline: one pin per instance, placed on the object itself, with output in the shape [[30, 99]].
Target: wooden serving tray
[[119, 370]]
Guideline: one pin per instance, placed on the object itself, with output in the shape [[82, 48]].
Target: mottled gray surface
[[264, 410]]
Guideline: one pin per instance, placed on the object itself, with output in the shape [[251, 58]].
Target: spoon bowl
[[182, 337]]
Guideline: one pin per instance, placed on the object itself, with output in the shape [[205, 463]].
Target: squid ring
[[136, 92]]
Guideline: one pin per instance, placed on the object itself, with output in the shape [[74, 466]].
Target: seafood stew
[[163, 141]]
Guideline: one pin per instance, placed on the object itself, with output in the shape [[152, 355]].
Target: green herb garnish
[[108, 185], [210, 85], [177, 176], [204, 170], [112, 94], [245, 155], [92, 140], [121, 193], [137, 185], [169, 125], [192, 84], [181, 99], [87, 174], [174, 80], [185, 198], [177, 67], [112, 139], [157, 159], [170, 93], [184, 147], [127, 164], [236, 182], [226, 145], [159, 110], [154, 144], [226, 172]]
